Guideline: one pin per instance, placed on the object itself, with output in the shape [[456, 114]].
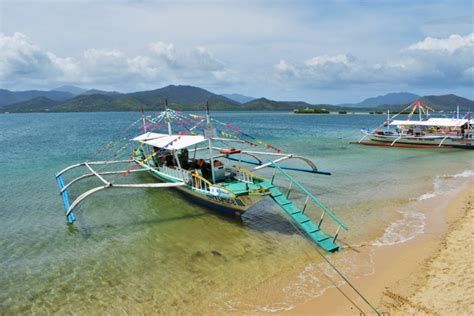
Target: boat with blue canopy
[[204, 159]]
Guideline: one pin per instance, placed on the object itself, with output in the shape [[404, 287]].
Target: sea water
[[144, 251]]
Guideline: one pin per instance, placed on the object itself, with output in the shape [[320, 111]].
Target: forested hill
[[192, 98]]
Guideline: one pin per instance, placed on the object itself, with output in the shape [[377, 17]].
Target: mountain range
[[74, 99], [238, 97], [394, 98]]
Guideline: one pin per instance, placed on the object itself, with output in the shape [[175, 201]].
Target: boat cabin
[[434, 126], [180, 154]]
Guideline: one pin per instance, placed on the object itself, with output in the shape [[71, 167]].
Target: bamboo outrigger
[[209, 170]]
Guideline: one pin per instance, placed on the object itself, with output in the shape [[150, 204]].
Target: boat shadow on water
[[263, 218]]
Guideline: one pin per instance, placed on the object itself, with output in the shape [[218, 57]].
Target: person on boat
[[463, 131], [199, 163], [183, 157], [169, 161], [199, 166], [206, 170]]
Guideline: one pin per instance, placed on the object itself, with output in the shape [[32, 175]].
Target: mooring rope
[[337, 271]]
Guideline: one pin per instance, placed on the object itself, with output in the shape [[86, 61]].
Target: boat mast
[[457, 112], [168, 121], [209, 128]]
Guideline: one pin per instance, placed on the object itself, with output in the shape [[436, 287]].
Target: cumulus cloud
[[448, 45], [431, 62], [19, 57], [324, 71], [24, 63], [444, 61]]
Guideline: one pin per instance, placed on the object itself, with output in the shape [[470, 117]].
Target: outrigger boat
[[205, 163], [426, 132]]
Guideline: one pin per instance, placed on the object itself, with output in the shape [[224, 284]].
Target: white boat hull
[[429, 141]]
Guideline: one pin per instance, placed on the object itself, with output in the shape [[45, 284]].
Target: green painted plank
[[328, 245], [282, 200], [331, 214], [291, 209], [275, 192], [300, 217], [321, 238], [254, 187], [318, 236], [309, 227], [239, 192], [266, 185]]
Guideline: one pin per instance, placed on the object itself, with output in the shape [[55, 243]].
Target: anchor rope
[[332, 265], [339, 273]]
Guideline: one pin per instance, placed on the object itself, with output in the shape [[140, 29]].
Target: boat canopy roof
[[171, 142], [443, 122]]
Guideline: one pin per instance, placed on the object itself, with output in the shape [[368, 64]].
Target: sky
[[315, 51]]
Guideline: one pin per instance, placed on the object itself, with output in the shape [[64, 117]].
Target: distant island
[[311, 111], [180, 97]]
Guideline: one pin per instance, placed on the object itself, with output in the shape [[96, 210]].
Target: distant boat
[[425, 132], [207, 169]]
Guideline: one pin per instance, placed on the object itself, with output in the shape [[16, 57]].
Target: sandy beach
[[432, 274]]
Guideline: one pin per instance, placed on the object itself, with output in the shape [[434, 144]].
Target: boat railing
[[244, 175], [310, 197], [178, 173], [199, 183]]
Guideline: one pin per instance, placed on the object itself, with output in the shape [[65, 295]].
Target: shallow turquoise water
[[151, 250]]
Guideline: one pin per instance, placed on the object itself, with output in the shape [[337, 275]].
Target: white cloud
[[327, 60], [449, 45], [165, 51], [324, 71], [24, 63], [20, 58], [442, 61], [445, 62], [432, 62]]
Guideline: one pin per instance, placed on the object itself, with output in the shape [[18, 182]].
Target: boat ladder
[[314, 231]]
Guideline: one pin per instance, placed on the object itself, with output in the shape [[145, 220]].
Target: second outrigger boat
[[426, 132], [205, 163]]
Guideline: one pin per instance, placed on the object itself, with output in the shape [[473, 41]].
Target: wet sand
[[429, 275]]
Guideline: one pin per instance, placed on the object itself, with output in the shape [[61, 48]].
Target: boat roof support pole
[[388, 120], [211, 157], [175, 154], [195, 150], [168, 121], [143, 121]]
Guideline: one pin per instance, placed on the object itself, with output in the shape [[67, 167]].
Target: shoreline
[[404, 273]]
